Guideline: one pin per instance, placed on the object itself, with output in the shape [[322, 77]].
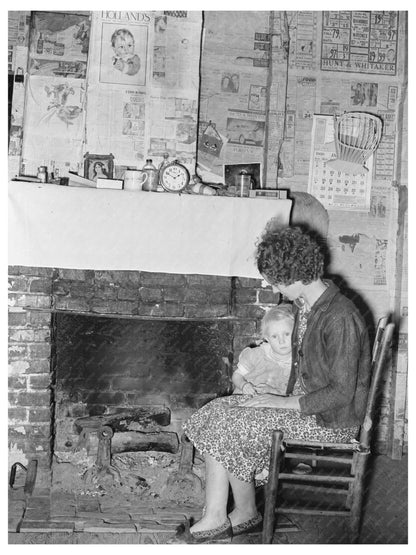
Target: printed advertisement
[[362, 249], [176, 50], [303, 35], [357, 95], [18, 35], [245, 131], [143, 90], [54, 119], [233, 91], [117, 124], [173, 127], [360, 41], [385, 155], [305, 94], [59, 44]]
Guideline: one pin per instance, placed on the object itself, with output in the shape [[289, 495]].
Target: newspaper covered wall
[[124, 83], [298, 66]]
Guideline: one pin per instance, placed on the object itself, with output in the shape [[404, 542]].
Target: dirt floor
[[73, 519]]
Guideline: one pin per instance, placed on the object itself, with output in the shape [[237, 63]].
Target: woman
[[326, 391], [99, 170]]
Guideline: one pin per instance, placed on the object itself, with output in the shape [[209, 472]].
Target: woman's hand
[[273, 401], [262, 388], [248, 389]]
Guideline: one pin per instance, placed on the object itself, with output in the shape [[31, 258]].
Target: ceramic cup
[[134, 180]]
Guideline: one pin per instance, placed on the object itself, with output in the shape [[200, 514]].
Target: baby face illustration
[[124, 58], [124, 46]]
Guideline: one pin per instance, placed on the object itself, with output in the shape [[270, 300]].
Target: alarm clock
[[174, 177]]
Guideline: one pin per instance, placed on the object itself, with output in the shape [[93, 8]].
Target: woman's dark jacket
[[333, 362]]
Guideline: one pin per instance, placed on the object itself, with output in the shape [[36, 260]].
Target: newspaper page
[[333, 188], [54, 119], [59, 44], [118, 78], [13, 24], [16, 123], [144, 103], [360, 41], [175, 86], [55, 92], [233, 91], [303, 39], [385, 154], [18, 38], [366, 95], [176, 50], [363, 246], [173, 126], [304, 109]]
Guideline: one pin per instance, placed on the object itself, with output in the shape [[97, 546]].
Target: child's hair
[[123, 34], [280, 312]]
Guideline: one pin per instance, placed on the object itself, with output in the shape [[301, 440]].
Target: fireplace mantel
[[70, 227]]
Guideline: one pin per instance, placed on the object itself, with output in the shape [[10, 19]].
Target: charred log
[[125, 419], [123, 442]]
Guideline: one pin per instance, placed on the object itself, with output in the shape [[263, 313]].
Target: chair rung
[[294, 510], [323, 489], [315, 477], [317, 445], [306, 457]]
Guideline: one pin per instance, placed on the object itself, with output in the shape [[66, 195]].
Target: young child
[[124, 59], [266, 368]]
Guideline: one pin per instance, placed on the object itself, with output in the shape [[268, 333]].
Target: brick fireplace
[[43, 303]]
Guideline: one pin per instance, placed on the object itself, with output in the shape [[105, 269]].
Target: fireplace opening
[[123, 388]]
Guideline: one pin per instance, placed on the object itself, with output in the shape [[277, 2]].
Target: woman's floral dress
[[239, 437]]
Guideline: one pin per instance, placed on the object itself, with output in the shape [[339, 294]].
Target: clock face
[[175, 177]]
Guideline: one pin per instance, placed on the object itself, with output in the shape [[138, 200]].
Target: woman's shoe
[[302, 468], [204, 536], [252, 525]]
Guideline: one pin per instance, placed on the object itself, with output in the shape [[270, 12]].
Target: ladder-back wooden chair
[[338, 469]]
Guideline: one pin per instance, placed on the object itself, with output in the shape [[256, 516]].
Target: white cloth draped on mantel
[[82, 228]]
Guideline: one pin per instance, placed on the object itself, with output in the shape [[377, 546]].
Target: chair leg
[[357, 497], [271, 488]]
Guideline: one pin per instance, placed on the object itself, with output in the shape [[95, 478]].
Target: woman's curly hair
[[289, 254]]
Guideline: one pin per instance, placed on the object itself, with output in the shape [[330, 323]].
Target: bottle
[[42, 174], [164, 163], [39, 46], [152, 176]]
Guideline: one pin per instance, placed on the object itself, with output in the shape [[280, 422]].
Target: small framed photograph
[[232, 171], [98, 165]]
